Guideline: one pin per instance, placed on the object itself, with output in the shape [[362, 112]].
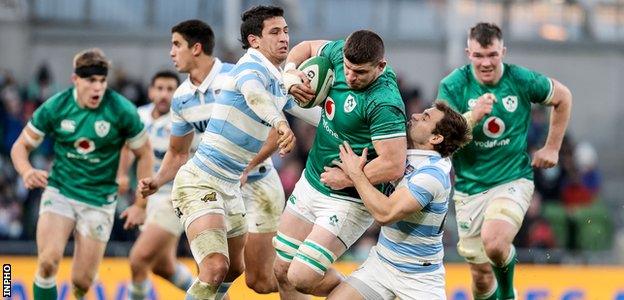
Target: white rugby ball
[[319, 70]]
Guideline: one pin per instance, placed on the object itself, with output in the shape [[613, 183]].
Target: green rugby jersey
[[87, 143], [498, 152], [356, 116]]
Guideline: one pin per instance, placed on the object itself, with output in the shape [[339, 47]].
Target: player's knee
[[213, 269], [301, 281], [48, 265], [81, 284], [236, 269], [482, 276], [261, 283], [494, 247], [165, 270], [280, 269]]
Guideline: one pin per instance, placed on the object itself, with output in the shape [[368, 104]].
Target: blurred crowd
[[566, 196]]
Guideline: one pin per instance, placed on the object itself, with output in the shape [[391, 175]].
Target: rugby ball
[[319, 71]]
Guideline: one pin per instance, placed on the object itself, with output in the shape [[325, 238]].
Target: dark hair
[[196, 31], [453, 127], [165, 74], [363, 46], [485, 33], [253, 21]]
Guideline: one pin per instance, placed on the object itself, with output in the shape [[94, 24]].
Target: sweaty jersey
[[414, 244], [235, 133], [498, 151], [356, 116], [87, 143], [158, 131], [192, 106]]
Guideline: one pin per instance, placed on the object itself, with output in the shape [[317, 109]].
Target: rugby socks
[[138, 291], [505, 273], [491, 295], [222, 291], [182, 278], [44, 288]]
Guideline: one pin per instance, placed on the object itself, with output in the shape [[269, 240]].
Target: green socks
[[45, 288], [505, 274]]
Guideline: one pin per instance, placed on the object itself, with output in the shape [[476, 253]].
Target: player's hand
[[134, 215], [286, 140], [147, 186], [123, 184], [335, 178], [483, 107], [351, 163], [243, 177], [298, 85], [35, 178], [545, 158]]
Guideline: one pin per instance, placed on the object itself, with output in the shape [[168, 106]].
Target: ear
[[467, 51], [74, 78], [197, 50], [254, 41], [504, 51], [436, 139], [382, 64]]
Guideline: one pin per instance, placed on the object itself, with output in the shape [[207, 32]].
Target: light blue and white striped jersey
[[235, 133], [414, 244], [158, 131]]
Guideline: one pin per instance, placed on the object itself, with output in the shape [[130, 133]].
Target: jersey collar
[[216, 69], [420, 152], [266, 62]]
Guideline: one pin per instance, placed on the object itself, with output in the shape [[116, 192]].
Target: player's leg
[[293, 230], [55, 224], [370, 281], [264, 202], [503, 218], [201, 201], [338, 225], [484, 285], [168, 267], [93, 228], [425, 285], [236, 238]]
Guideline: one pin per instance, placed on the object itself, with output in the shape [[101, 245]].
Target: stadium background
[[574, 230]]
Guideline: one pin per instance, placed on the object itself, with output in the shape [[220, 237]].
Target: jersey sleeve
[[249, 72], [179, 126], [132, 129], [42, 120], [426, 184], [386, 118], [539, 88], [447, 91], [333, 51]]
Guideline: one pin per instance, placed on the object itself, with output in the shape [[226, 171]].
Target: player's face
[[274, 40], [420, 127], [180, 53], [486, 61], [161, 93], [90, 90], [362, 75]]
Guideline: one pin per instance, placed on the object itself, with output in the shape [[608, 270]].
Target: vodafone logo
[[493, 127], [330, 108], [84, 145]]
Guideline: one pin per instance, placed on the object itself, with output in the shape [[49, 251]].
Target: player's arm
[[295, 82], [311, 115], [145, 164], [126, 158], [269, 147], [561, 102], [384, 209], [389, 164], [263, 104], [26, 143]]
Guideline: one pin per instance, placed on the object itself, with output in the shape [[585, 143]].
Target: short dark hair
[[363, 46], [196, 31], [485, 33], [453, 127], [253, 21], [165, 74]]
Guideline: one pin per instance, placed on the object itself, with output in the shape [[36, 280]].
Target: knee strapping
[[315, 256], [506, 211], [207, 242], [285, 246], [472, 250], [202, 290]]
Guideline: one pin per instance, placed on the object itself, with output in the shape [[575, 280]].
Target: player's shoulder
[[183, 93], [436, 167], [385, 90], [226, 67], [145, 111], [59, 99], [458, 77], [332, 46], [118, 102], [519, 73]]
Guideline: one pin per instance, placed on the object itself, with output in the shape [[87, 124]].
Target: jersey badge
[[510, 103], [330, 108], [493, 127], [212, 196], [349, 104], [68, 125], [101, 128], [472, 103]]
